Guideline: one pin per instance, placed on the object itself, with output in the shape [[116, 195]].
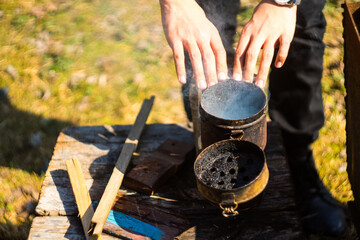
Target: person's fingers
[[220, 56], [179, 58], [196, 62], [283, 50], [208, 59], [251, 56], [265, 62], [240, 54]]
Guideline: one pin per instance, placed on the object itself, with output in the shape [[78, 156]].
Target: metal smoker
[[231, 170]]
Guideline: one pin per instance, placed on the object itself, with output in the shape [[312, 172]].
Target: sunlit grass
[[76, 63], [93, 62], [330, 149], [16, 194]]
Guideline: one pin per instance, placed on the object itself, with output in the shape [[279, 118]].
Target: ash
[[231, 170]]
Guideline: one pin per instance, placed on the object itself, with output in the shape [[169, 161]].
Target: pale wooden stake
[[81, 193], [117, 176]]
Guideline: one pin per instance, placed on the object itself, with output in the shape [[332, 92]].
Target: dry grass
[[92, 62]]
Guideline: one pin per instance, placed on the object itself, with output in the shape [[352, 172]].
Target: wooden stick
[[117, 176], [81, 193]]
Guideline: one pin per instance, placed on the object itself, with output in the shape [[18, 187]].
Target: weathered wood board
[[97, 149], [58, 227], [156, 169], [133, 218], [351, 25]]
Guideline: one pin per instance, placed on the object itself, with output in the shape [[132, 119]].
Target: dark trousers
[[296, 96]]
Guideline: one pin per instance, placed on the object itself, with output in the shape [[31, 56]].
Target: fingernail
[[212, 84], [182, 79], [278, 64], [202, 84], [237, 77], [261, 83], [222, 76]]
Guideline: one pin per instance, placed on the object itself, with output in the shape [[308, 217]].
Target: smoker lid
[[233, 100]]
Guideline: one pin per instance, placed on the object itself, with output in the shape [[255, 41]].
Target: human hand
[[187, 28], [270, 25]]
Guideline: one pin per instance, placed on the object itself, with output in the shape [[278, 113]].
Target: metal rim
[[220, 120], [243, 193]]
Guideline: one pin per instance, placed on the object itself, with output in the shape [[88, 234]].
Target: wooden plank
[[103, 209], [116, 133], [132, 218], [247, 226], [81, 193], [354, 213], [352, 84], [57, 198], [156, 169], [59, 228], [274, 218], [91, 134], [97, 161]]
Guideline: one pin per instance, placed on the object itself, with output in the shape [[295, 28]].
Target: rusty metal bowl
[[231, 174], [233, 109]]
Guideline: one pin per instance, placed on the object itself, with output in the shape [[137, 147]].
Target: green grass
[[330, 149], [93, 62]]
